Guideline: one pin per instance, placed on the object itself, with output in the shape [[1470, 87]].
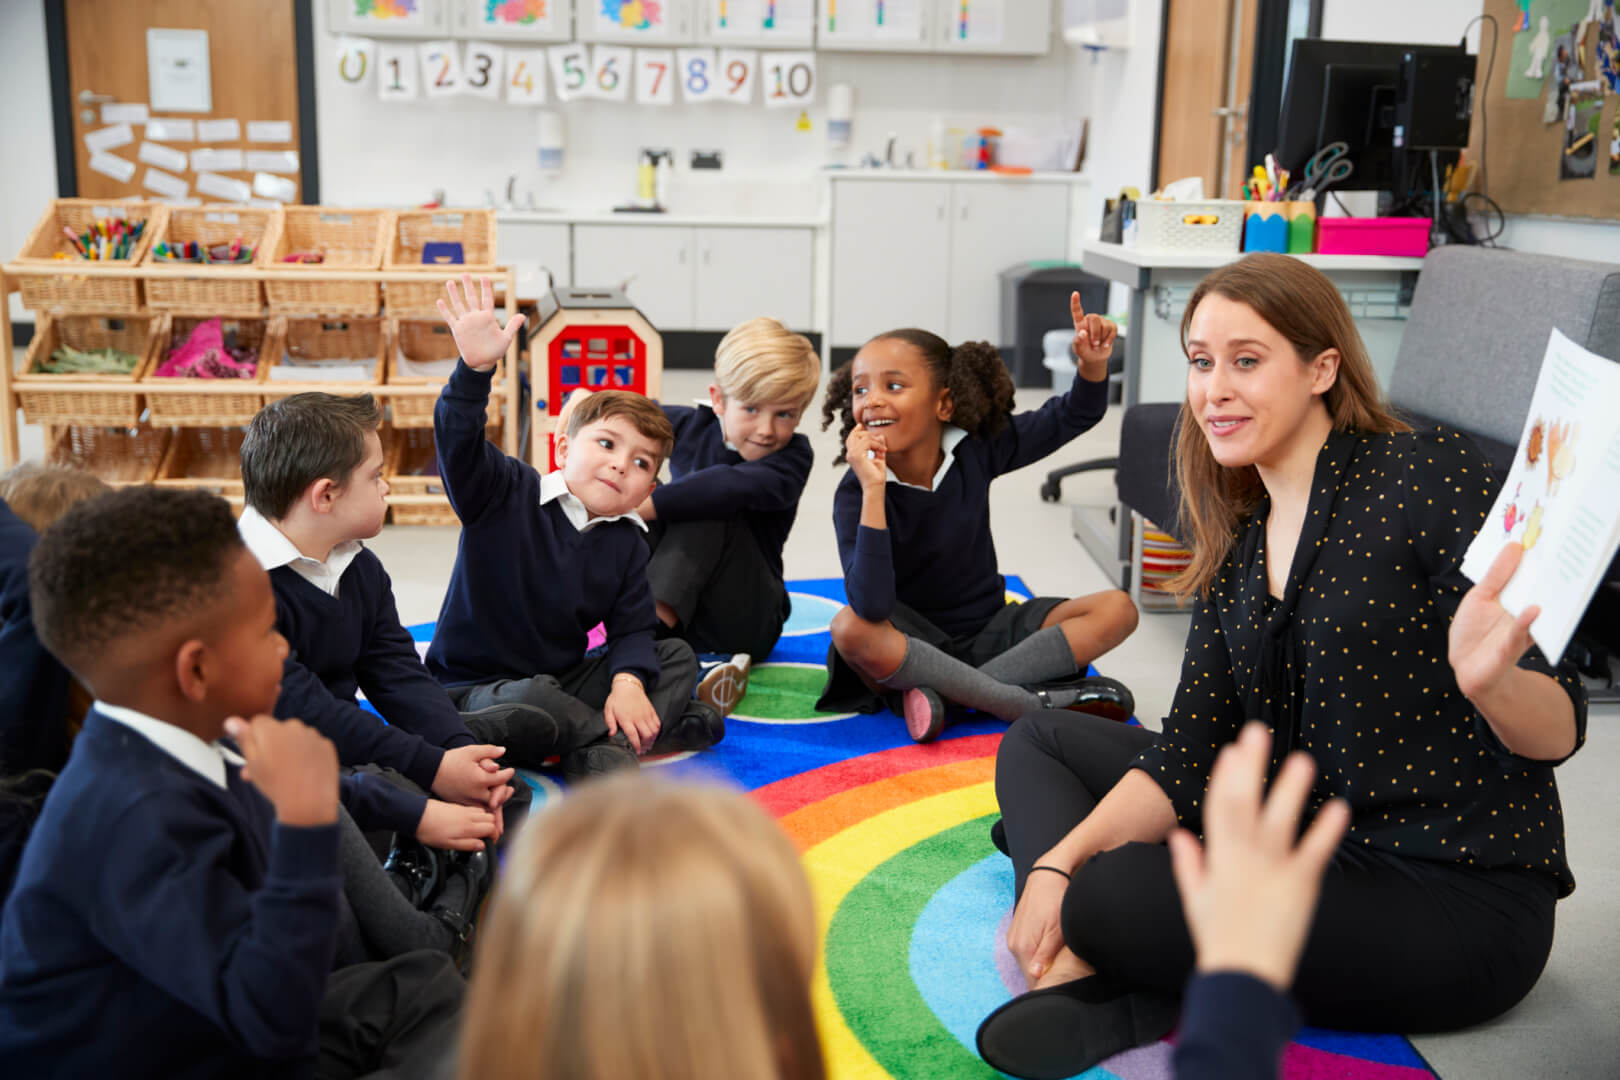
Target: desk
[[1378, 289]]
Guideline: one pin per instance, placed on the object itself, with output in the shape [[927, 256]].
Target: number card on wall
[[696, 68], [485, 66], [790, 80], [610, 72], [526, 76], [356, 60], [655, 77], [396, 72], [737, 68], [441, 68], [570, 71]]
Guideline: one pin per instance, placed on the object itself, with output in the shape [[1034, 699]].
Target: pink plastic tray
[[1408, 236]]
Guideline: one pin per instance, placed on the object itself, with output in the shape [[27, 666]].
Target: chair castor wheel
[[1050, 491]]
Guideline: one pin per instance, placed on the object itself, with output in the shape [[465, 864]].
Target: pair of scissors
[[1328, 166]]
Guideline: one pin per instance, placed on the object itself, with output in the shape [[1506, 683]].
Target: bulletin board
[[1553, 108]]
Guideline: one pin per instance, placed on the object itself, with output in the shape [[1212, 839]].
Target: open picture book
[[1561, 499]]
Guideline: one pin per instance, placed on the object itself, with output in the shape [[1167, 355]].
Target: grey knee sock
[[387, 921], [925, 665], [1043, 655]]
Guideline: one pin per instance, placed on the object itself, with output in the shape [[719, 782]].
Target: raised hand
[[1249, 893], [867, 454], [475, 326], [1093, 340], [1485, 642]]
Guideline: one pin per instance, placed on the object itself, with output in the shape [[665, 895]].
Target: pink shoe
[[925, 714]]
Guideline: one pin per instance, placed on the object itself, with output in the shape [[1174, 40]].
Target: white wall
[[399, 153], [27, 143]]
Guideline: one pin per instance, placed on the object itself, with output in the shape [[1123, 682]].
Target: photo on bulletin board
[[532, 20], [1583, 113], [388, 18]]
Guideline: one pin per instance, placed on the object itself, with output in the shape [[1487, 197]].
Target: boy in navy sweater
[[542, 560], [176, 910], [312, 475], [717, 529]]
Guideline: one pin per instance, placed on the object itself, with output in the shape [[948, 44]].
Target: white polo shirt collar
[[554, 487]]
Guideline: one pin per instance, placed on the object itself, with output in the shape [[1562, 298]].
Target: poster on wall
[[535, 20], [401, 18], [1550, 38], [790, 22], [626, 20]]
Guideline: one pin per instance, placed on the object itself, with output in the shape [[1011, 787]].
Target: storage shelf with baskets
[[362, 319]]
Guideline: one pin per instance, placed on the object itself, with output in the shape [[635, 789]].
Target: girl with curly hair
[[926, 428]]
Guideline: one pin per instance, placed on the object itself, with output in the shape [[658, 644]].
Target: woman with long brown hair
[[1327, 538], [650, 930]]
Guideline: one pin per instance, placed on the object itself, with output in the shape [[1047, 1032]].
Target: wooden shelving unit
[[91, 276]]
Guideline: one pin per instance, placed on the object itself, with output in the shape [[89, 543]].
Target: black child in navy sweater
[[176, 912], [926, 428]]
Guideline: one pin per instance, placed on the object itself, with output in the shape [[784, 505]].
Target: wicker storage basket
[[474, 230], [214, 289], [117, 455], [424, 340], [337, 338], [348, 240], [66, 291], [218, 406], [416, 497], [205, 459], [43, 398]]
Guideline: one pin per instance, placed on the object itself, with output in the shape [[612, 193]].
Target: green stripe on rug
[[869, 958]]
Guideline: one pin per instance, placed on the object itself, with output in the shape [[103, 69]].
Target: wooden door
[[1203, 118], [253, 69]]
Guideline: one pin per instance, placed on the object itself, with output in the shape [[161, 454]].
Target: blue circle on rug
[[810, 615]]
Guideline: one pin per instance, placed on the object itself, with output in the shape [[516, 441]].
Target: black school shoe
[[529, 733], [467, 880], [698, 727], [1066, 1029], [413, 869], [1094, 694], [609, 755]]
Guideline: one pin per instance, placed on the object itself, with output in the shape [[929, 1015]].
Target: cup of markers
[[108, 238], [234, 253]]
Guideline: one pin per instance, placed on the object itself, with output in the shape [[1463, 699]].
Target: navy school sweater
[[937, 556], [161, 926], [527, 586], [1233, 1027], [710, 482], [33, 685], [354, 641]]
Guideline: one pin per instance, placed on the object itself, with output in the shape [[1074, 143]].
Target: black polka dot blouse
[[1350, 665]]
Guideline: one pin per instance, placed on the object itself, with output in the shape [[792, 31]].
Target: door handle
[[1235, 110], [90, 97]]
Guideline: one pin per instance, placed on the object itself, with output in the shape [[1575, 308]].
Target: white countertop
[[1209, 260], [980, 176], [669, 218]]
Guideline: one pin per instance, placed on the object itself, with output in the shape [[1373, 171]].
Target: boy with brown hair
[[544, 559], [312, 476]]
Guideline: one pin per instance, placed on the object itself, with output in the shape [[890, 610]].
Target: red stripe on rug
[[795, 792]]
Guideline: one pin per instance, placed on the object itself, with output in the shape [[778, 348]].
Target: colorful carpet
[[911, 897]]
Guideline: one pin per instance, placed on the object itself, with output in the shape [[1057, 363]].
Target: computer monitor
[[1346, 91]]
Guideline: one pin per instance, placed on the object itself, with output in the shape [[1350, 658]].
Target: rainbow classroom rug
[[912, 899]]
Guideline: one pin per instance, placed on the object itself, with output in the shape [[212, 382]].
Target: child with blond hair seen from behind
[[684, 907], [543, 560], [926, 428], [717, 530]]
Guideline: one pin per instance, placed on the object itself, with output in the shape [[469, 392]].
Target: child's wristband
[[1054, 870], [632, 677]]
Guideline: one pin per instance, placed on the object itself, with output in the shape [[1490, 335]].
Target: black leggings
[[1398, 944]]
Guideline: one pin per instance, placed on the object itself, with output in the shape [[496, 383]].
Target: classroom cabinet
[[541, 254], [994, 226], [702, 278], [627, 22], [929, 253], [1004, 28], [755, 24], [890, 257]]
